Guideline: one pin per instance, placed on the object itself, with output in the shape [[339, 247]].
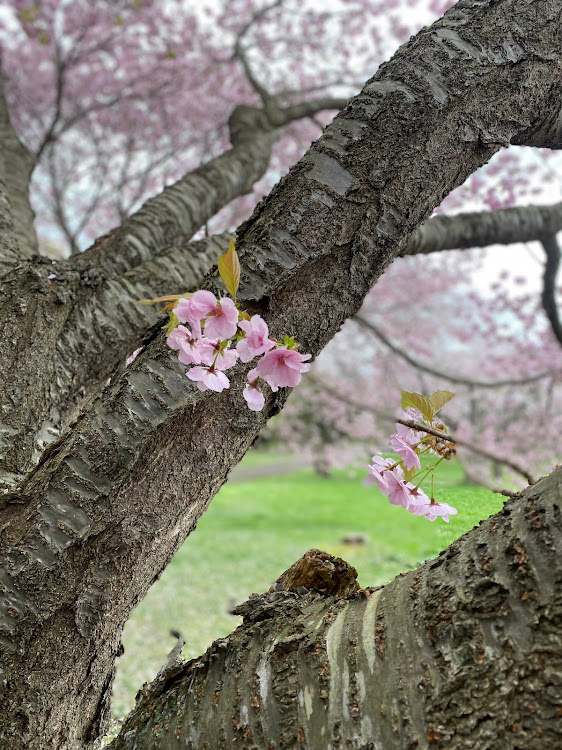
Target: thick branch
[[79, 329], [464, 652], [545, 131], [182, 208], [300, 110], [549, 292], [482, 228], [148, 256], [439, 373]]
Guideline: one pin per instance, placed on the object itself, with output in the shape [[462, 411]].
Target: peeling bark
[[465, 652]]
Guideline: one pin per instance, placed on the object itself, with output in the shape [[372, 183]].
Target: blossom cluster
[[395, 478], [213, 335]]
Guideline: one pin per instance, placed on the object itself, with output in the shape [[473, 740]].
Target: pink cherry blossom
[[207, 378], [211, 354], [131, 358], [403, 443], [418, 499], [252, 393], [222, 321], [398, 490], [435, 509], [282, 367], [221, 317], [194, 309], [378, 470], [256, 341], [181, 338]]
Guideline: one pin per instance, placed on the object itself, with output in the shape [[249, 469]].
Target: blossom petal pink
[[398, 492], [222, 320], [193, 310], [176, 337], [378, 471], [254, 397], [181, 338], [208, 378], [403, 443], [211, 354], [435, 510], [419, 501], [256, 341], [200, 304], [252, 392], [181, 310], [282, 367]]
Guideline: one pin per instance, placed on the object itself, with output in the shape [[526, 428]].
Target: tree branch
[[482, 228], [549, 292], [86, 326], [182, 208], [51, 134], [412, 664], [546, 131], [240, 53], [438, 373], [474, 448], [16, 165], [361, 407], [147, 256]]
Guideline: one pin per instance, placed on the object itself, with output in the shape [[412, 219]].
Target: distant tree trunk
[[464, 653]]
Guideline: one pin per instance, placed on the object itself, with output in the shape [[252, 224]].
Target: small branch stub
[[319, 571]]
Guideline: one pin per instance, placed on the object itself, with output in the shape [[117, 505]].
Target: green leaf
[[419, 402], [172, 323], [229, 269], [439, 399]]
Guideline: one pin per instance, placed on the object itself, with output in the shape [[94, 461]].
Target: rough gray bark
[[465, 652], [81, 325], [94, 523]]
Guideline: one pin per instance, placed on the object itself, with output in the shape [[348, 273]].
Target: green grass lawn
[[254, 530]]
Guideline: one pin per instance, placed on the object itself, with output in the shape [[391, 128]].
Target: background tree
[[91, 520], [102, 143]]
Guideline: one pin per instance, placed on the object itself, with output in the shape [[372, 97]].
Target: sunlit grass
[[254, 530]]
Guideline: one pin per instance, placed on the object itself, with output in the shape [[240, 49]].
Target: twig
[[446, 376], [423, 428], [475, 449]]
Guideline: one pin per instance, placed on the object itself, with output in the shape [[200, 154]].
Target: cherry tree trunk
[[463, 653]]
